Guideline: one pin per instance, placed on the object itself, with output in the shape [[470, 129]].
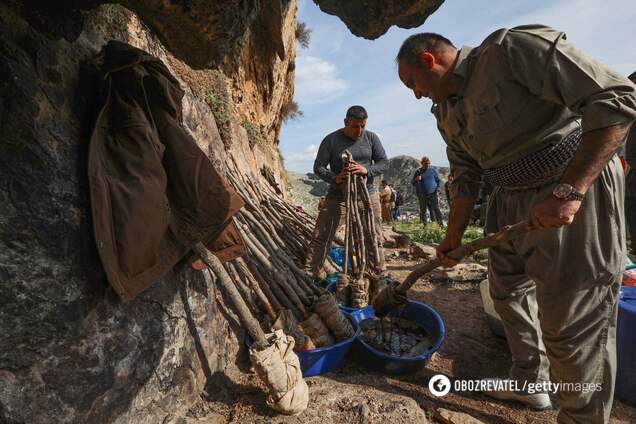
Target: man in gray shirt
[[369, 159]]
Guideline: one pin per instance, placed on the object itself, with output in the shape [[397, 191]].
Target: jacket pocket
[[485, 114], [497, 107], [140, 218]]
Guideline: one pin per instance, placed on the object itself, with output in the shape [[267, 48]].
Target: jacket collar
[[460, 74]]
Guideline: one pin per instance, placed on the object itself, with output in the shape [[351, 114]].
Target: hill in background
[[306, 189]]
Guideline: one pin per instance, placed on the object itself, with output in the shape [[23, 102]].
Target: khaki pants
[[556, 291], [330, 217]]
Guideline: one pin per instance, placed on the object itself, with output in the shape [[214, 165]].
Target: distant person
[[369, 159], [426, 183], [385, 201], [396, 202], [322, 202], [480, 210], [447, 185], [630, 183]]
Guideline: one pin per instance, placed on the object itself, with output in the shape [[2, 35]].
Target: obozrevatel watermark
[[440, 385]]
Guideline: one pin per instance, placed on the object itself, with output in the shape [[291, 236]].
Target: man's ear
[[428, 59]]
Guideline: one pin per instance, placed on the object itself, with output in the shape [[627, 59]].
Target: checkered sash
[[537, 169]]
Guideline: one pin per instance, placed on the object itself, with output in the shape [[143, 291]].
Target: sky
[[338, 70]]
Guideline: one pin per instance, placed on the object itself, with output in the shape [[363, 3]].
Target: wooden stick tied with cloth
[[272, 355], [394, 296]]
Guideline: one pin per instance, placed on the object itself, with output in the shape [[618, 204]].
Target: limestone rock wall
[[70, 351]]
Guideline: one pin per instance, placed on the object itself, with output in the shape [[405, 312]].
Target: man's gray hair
[[413, 46]]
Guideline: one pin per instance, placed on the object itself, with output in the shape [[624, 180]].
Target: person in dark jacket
[[630, 183], [426, 183], [395, 203], [447, 185]]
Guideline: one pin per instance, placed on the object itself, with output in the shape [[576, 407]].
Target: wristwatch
[[566, 191]]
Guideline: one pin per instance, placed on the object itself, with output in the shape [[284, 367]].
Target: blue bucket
[[626, 346], [337, 255], [325, 359], [331, 279], [418, 312]]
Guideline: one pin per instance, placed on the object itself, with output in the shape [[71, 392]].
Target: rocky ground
[[353, 394]]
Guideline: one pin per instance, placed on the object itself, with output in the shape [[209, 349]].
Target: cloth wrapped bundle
[[332, 316], [315, 329], [279, 367]]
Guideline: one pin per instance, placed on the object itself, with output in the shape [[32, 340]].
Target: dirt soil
[[353, 394]]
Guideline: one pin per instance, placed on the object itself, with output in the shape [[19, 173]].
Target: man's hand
[[342, 176], [355, 168], [418, 178], [449, 243], [554, 213]]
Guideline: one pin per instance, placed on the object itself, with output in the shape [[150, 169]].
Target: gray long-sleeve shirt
[[367, 150]]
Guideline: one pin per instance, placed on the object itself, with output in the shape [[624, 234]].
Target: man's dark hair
[[357, 112], [418, 43]]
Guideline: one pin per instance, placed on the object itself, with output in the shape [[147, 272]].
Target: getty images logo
[[439, 385]]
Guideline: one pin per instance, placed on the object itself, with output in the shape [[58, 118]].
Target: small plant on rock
[[303, 34], [254, 134], [291, 111], [220, 104]]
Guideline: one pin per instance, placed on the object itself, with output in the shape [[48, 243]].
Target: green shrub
[[254, 134], [432, 233], [220, 103]]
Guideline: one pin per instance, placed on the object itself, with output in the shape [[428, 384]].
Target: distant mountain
[[400, 173], [306, 189]]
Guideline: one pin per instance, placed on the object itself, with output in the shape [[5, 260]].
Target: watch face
[[562, 191]]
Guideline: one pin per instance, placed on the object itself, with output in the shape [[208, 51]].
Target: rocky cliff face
[[371, 19], [70, 351]]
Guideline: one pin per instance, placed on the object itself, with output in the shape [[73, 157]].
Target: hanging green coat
[[154, 193]]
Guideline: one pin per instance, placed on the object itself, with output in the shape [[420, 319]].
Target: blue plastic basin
[[377, 360], [325, 359], [626, 346]]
